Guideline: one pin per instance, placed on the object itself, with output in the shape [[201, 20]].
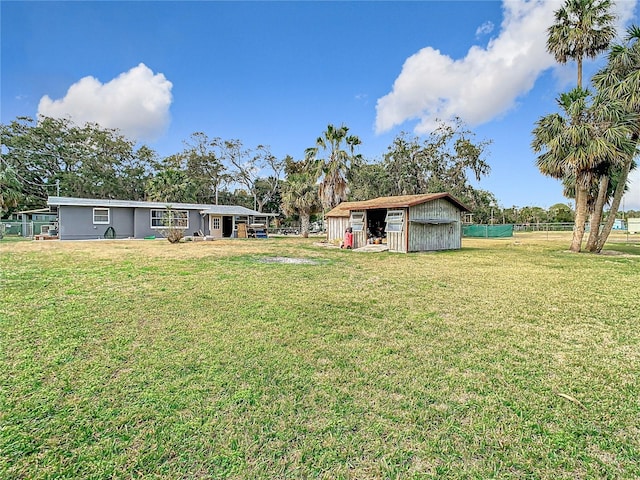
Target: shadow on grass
[[628, 248]]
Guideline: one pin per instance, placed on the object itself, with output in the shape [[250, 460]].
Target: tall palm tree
[[619, 80], [334, 169], [582, 28], [579, 143], [300, 197]]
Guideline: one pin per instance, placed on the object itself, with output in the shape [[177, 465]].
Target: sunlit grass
[[507, 359]]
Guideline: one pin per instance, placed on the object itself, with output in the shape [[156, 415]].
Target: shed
[[633, 225], [406, 223], [90, 218]]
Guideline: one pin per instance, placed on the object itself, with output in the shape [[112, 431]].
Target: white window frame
[[216, 223], [98, 213], [159, 216], [356, 220], [394, 221]]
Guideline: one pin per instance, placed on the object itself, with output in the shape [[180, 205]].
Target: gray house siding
[[143, 228], [90, 218], [76, 223]]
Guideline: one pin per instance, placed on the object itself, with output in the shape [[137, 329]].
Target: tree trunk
[[596, 217], [581, 217], [617, 198], [615, 205], [579, 65], [305, 222]]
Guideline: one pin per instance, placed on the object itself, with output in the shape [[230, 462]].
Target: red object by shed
[[348, 239]]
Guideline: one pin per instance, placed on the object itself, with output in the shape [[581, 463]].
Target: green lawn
[[141, 359]]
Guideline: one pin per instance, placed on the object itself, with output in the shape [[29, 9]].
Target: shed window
[[395, 220], [169, 218], [100, 216], [357, 221]]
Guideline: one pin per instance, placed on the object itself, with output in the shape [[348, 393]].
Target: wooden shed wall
[[426, 237], [360, 238], [397, 241], [336, 227]]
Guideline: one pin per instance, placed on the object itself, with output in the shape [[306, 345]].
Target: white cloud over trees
[[487, 82], [136, 102]]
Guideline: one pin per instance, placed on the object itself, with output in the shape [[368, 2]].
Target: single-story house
[[406, 223], [90, 218]]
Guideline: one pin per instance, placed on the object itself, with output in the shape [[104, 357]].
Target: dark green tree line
[[53, 156]]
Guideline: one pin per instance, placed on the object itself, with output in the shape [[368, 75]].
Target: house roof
[[202, 208], [399, 201]]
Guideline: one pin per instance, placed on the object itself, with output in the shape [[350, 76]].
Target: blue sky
[[276, 73]]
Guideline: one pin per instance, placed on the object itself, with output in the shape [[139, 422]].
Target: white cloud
[[485, 83], [485, 28], [136, 103], [624, 11]]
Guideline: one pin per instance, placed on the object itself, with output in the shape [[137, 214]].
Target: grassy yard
[[141, 359]]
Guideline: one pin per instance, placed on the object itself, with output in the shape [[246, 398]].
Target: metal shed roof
[[399, 201], [203, 208]]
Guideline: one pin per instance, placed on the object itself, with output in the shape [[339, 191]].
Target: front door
[[215, 226]]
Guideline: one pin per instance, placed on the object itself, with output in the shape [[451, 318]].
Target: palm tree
[[619, 80], [171, 185], [334, 170], [582, 28], [578, 144], [300, 197]]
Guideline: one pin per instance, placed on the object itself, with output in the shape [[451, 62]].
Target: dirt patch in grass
[[326, 245]]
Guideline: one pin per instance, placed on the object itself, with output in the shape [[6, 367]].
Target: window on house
[[357, 221], [395, 220], [169, 218], [101, 216], [216, 223]]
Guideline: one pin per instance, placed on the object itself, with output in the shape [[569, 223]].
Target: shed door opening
[[376, 222]]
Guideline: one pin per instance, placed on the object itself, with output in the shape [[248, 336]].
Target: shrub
[[174, 235]]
